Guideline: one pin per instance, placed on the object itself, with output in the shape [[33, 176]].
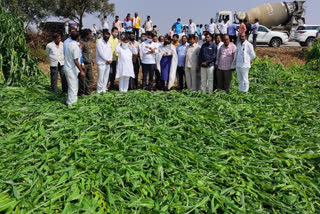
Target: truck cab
[[222, 15]]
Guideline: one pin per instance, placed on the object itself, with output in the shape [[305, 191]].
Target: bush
[[313, 56]]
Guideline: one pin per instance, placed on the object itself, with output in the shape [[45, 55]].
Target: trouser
[[124, 84], [181, 77], [191, 78], [224, 80], [255, 40], [207, 79], [243, 78], [86, 82], [136, 33], [233, 38], [113, 72], [103, 77], [159, 81], [215, 70], [134, 82], [148, 70], [54, 78], [73, 86]]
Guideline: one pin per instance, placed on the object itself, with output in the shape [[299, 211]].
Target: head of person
[[136, 14], [209, 38], [175, 38], [243, 38], [155, 38], [106, 35], [150, 36], [225, 20], [196, 38], [217, 39], [143, 37], [178, 20], [211, 20], [197, 25], [114, 32], [86, 34], [128, 16], [256, 20], [167, 40], [191, 40], [73, 30], [105, 17], [226, 40], [201, 25], [154, 26], [117, 18], [148, 18], [190, 21], [125, 42], [132, 37], [240, 21], [245, 21], [184, 40], [161, 39], [75, 36], [57, 38], [94, 25]]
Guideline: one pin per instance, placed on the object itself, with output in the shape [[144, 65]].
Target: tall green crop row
[[16, 64]]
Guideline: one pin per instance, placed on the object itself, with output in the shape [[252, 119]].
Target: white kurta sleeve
[[133, 49], [252, 54]]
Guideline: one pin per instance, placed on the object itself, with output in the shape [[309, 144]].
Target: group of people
[[198, 64]]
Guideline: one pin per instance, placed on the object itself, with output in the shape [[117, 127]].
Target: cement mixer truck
[[283, 16]]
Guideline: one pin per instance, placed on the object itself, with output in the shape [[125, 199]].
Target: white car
[[306, 34], [268, 37]]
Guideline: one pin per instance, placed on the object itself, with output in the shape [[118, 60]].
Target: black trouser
[[181, 77], [54, 78], [224, 80], [215, 79], [112, 75], [134, 82], [136, 32], [159, 81], [233, 39], [255, 40], [86, 82], [148, 69]]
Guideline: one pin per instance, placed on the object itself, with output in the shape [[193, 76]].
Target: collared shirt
[[226, 56], [223, 28], [149, 58], [86, 51], [55, 54], [211, 28], [65, 43], [128, 25], [136, 22], [192, 56], [118, 24], [192, 28], [181, 52], [94, 30], [244, 54], [103, 52], [177, 27], [148, 25], [113, 43], [232, 30], [72, 53], [176, 45], [208, 53], [255, 28], [242, 29], [104, 23]]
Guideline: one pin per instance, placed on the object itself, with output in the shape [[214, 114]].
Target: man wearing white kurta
[[104, 59], [244, 54], [72, 68], [192, 63], [211, 26], [125, 68], [192, 28]]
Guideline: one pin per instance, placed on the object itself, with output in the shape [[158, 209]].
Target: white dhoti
[[243, 78], [207, 79], [124, 83], [191, 78], [103, 78], [73, 86]]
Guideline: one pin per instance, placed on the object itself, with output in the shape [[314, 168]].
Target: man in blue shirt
[[232, 32], [207, 58], [181, 52], [178, 26]]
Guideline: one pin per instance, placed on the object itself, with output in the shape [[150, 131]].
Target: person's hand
[[204, 64], [172, 53], [82, 74], [109, 62], [83, 66]]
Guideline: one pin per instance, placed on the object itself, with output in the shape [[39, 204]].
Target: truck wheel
[[275, 43], [310, 41]]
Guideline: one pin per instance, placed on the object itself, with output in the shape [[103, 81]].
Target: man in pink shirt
[[242, 28], [225, 59]]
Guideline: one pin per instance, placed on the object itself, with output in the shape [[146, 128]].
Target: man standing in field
[[72, 68], [192, 28], [128, 24], [225, 58], [104, 60], [211, 26], [86, 82], [113, 41], [232, 32], [133, 83], [255, 28], [104, 23], [181, 52], [136, 25], [148, 27], [55, 54], [244, 55], [148, 51], [178, 26], [175, 40], [118, 24]]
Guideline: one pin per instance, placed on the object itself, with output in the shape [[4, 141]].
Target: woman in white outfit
[[125, 66]]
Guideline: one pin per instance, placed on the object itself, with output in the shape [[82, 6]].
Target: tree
[[76, 9]]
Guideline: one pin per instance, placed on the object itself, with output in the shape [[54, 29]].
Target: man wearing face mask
[[104, 60], [133, 83], [113, 41]]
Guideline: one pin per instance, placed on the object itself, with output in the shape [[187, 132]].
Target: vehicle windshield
[[308, 28]]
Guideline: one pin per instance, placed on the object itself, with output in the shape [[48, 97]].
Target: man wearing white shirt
[[243, 57], [55, 54], [94, 31], [149, 51], [104, 60], [192, 28], [72, 68], [104, 23], [223, 27], [211, 26], [148, 27], [191, 63]]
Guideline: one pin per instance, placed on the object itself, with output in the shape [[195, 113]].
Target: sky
[[165, 12]]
